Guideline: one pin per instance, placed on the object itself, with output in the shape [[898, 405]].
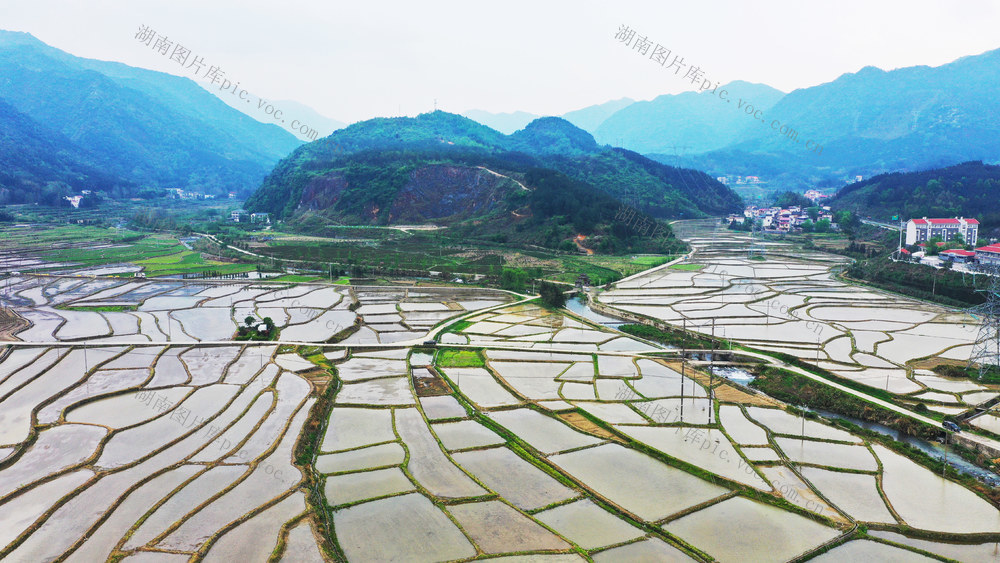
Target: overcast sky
[[356, 60]]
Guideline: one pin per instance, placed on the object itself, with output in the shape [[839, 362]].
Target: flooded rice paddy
[[546, 436]]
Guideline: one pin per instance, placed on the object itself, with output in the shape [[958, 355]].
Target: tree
[[513, 279], [932, 246], [249, 320], [823, 226], [846, 220], [552, 294], [813, 212], [808, 226]]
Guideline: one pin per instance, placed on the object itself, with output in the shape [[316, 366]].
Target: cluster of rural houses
[[781, 219]]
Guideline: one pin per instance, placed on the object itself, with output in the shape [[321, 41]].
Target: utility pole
[[711, 376], [683, 363], [86, 368], [683, 345], [899, 250], [945, 465]]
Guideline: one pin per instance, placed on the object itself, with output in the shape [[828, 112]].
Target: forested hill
[[552, 143], [495, 197], [970, 189], [147, 128], [40, 165]]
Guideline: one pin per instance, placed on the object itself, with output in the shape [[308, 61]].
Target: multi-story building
[[922, 230]]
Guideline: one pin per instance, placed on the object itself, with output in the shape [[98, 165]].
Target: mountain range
[[316, 124], [38, 164], [686, 123], [866, 123], [141, 128], [588, 118], [69, 123]]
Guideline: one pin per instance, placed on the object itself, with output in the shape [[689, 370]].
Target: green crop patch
[[451, 358]]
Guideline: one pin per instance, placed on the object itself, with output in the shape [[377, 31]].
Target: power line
[[986, 350]]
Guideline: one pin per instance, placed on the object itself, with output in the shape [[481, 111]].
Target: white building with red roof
[[989, 254], [957, 255], [922, 230]]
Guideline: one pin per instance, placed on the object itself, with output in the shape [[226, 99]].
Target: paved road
[[888, 226]]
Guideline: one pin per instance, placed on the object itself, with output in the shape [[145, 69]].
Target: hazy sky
[[355, 60]]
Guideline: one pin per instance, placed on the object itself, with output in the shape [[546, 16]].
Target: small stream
[[934, 449], [734, 374], [742, 376], [578, 305]]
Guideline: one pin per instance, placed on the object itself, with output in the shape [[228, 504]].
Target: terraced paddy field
[[133, 427], [791, 302], [80, 309]]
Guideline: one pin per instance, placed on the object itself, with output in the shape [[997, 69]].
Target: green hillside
[[965, 190]]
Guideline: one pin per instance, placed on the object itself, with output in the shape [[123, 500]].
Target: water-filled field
[[547, 437], [793, 304]]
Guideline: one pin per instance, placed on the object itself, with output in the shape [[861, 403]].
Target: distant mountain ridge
[[148, 127], [687, 123], [309, 122], [867, 122], [505, 123], [591, 117], [587, 118]]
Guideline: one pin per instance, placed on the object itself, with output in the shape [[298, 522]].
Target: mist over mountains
[[867, 122], [140, 127], [71, 123]]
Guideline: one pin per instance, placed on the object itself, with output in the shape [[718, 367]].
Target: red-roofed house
[[957, 255], [988, 254], [920, 230]]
